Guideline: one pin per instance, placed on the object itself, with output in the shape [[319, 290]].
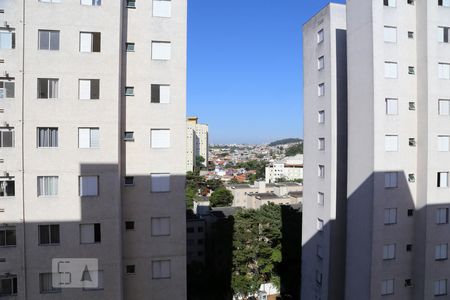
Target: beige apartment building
[[376, 197], [197, 143], [92, 143]]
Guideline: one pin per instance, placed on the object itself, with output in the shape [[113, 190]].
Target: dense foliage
[[285, 141], [221, 197], [294, 150]]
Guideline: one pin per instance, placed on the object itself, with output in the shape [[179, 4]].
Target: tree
[[221, 197], [294, 150], [199, 160]]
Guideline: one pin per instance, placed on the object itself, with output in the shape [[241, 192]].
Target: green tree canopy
[[221, 197]]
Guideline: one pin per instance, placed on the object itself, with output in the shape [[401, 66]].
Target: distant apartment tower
[[92, 139], [197, 143], [396, 208]]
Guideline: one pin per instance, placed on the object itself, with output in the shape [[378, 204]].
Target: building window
[[89, 89], [162, 8], [130, 47], [390, 69], [320, 198], [390, 179], [319, 277], [440, 287], [8, 285], [50, 1], [160, 138], [160, 269], [412, 142], [160, 183], [390, 34], [47, 137], [129, 180], [91, 2], [48, 234], [48, 40], [160, 226], [7, 236], [161, 50], [131, 3], [391, 143], [444, 143], [319, 251], [88, 137], [444, 107], [47, 186], [320, 224], [160, 93], [410, 34], [442, 216], [7, 187], [445, 3], [389, 252], [46, 283], [7, 89], [321, 144], [320, 36], [444, 71], [321, 90], [391, 106], [387, 287], [321, 117], [390, 3], [411, 2], [128, 136], [129, 225], [443, 34], [441, 252], [47, 88], [320, 63], [6, 137], [88, 186], [411, 70], [412, 105], [90, 233], [321, 171], [130, 269], [442, 179], [129, 91], [410, 212], [90, 41], [408, 247], [7, 39], [390, 216]]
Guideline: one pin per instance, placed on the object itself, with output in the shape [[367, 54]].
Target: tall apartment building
[[92, 137], [396, 208], [197, 143]]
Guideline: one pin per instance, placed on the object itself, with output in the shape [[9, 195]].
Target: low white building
[[289, 168]]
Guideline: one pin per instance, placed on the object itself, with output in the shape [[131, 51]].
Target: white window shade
[[164, 93], [390, 179], [391, 106], [160, 183], [85, 89], [160, 226], [443, 143], [391, 143], [95, 137], [443, 179], [444, 107], [441, 34], [6, 38], [390, 34], [88, 186], [161, 269], [85, 42], [444, 71], [160, 138], [162, 8], [84, 138], [87, 233], [161, 50], [390, 70]]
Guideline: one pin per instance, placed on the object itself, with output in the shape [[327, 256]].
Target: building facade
[[91, 166], [289, 168], [197, 143], [395, 214]]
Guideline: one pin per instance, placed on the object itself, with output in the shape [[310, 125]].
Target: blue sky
[[245, 69]]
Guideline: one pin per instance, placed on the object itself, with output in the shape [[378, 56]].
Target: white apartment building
[[197, 143], [289, 168], [91, 166], [395, 213]]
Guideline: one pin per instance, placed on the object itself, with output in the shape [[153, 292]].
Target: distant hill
[[286, 141]]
